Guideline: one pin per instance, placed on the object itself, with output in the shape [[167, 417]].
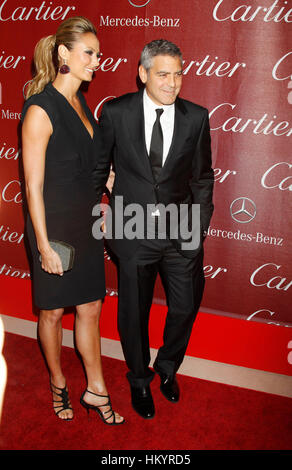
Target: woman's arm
[[36, 132]]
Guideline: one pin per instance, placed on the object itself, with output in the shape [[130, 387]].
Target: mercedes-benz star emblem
[[243, 210], [134, 4]]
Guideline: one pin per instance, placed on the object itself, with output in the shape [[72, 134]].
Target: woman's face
[[84, 58]]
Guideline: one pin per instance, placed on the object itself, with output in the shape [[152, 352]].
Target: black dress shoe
[[169, 387], [142, 402]]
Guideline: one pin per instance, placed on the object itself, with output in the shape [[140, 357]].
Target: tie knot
[[159, 111]]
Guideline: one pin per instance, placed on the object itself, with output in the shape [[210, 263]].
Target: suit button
[[156, 186]]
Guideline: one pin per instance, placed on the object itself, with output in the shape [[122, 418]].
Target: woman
[[60, 144], [3, 368]]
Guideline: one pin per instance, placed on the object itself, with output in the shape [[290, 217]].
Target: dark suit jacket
[[186, 176]]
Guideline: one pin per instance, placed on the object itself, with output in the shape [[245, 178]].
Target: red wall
[[215, 337]]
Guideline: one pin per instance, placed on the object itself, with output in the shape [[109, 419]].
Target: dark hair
[[158, 47]]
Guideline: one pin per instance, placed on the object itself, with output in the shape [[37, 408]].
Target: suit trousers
[[183, 281]]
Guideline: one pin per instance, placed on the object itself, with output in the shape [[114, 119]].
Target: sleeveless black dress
[[69, 197]]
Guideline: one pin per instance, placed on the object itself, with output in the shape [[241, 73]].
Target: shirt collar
[[151, 106]]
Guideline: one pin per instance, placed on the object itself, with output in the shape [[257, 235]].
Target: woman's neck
[[67, 86]]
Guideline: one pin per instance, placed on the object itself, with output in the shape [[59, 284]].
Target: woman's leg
[[50, 334], [88, 343]]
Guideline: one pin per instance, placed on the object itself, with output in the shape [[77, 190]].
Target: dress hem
[[90, 299]]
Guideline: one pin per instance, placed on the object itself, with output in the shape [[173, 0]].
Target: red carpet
[[209, 416]]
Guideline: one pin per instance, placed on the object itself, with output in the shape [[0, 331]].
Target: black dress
[[69, 198]]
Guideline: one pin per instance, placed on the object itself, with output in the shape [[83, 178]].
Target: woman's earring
[[64, 68]]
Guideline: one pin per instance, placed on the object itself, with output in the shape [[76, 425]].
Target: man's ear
[[142, 74]]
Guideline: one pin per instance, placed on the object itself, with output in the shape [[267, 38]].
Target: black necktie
[[156, 146]]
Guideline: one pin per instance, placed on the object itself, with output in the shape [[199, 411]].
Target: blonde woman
[[61, 143]]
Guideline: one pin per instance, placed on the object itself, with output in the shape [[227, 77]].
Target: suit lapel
[[134, 119], [180, 133]]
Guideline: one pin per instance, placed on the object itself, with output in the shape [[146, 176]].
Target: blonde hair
[[46, 51]]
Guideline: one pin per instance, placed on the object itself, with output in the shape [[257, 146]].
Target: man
[[160, 158]]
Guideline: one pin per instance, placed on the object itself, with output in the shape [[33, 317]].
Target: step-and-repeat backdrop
[[238, 64]]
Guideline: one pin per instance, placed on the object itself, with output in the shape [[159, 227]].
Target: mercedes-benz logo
[[243, 210], [134, 3]]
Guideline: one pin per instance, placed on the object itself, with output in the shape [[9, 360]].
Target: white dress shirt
[[167, 125], [166, 120]]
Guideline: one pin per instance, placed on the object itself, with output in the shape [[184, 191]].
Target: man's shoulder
[[122, 100], [192, 107]]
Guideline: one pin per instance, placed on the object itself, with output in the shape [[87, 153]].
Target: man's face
[[163, 80]]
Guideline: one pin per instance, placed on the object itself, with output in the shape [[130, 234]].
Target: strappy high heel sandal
[[64, 403], [102, 414]]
